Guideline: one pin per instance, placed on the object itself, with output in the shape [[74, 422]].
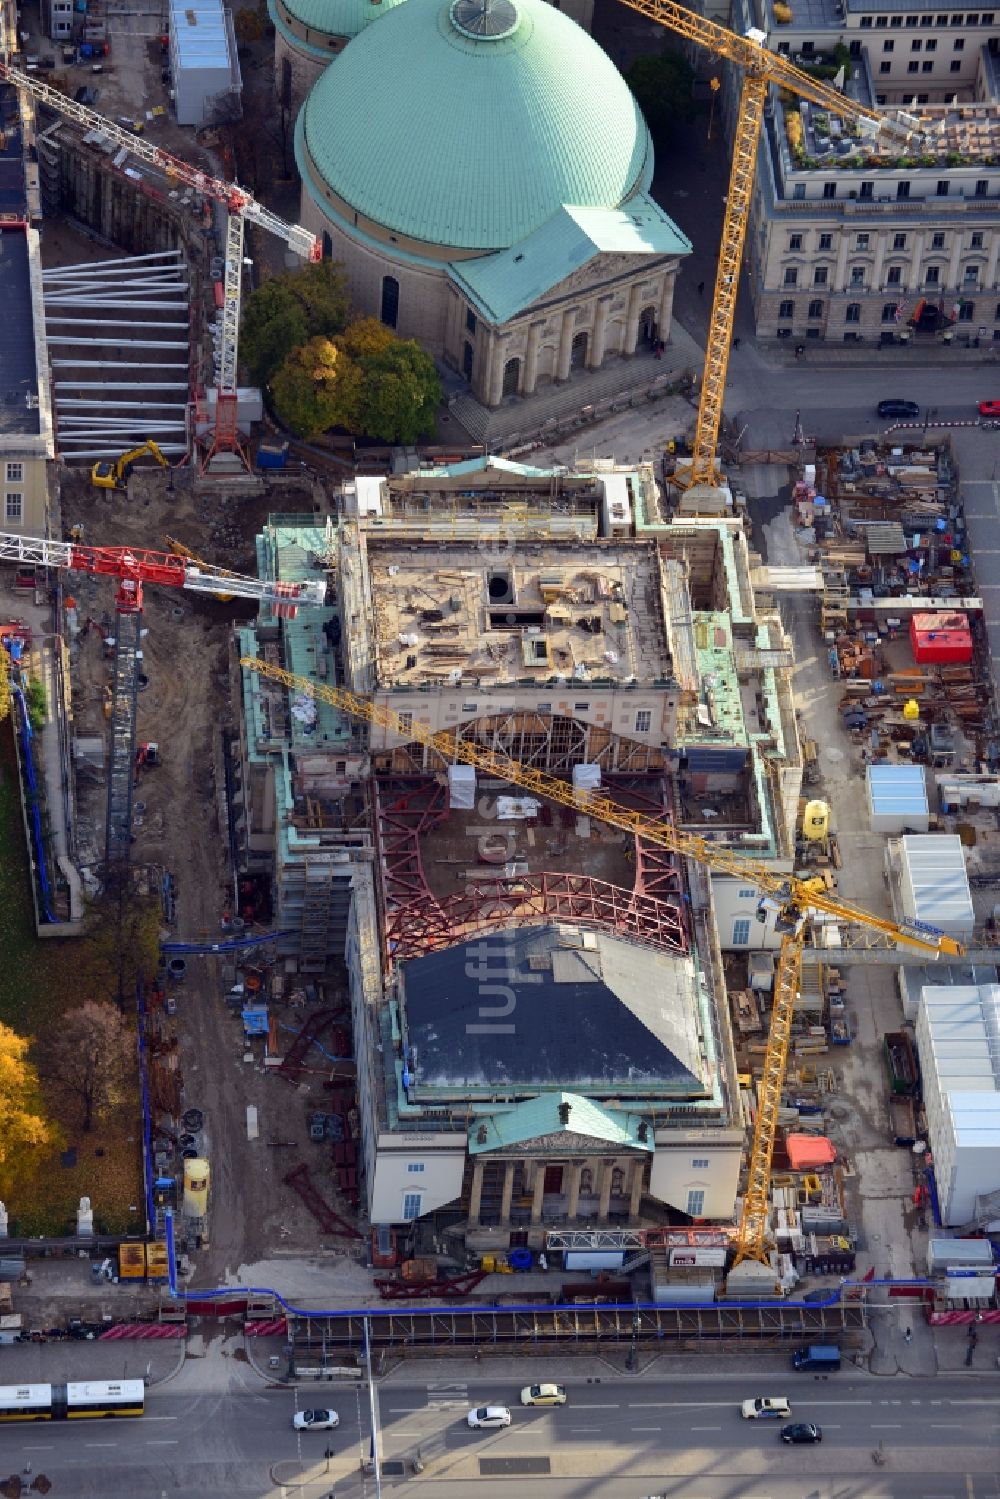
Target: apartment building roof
[[20, 414], [542, 612]]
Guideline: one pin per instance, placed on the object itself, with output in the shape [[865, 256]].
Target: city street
[[621, 1436]]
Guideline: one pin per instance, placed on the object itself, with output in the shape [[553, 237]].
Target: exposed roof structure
[[502, 285], [457, 126], [553, 1008]]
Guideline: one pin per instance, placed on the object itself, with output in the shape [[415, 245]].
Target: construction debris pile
[[898, 613]]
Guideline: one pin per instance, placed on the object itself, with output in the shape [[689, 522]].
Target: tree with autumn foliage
[[23, 1127], [365, 380], [288, 310], [91, 1057]]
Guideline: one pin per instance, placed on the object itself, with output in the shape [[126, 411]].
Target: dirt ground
[[183, 709]]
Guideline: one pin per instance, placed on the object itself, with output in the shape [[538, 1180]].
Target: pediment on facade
[[564, 1143]]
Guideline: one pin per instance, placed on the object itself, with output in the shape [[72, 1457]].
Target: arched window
[[617, 1181], [578, 352], [587, 1181], [285, 91], [390, 301], [647, 325], [511, 377], [327, 246]]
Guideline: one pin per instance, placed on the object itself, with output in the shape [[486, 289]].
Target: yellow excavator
[[113, 473]]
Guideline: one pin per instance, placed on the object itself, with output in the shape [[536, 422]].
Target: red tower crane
[[134, 568], [240, 207]]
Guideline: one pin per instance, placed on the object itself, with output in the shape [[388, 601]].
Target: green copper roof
[[330, 17], [469, 123], [538, 1117], [504, 284]]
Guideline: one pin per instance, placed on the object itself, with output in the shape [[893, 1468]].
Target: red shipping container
[[941, 639]]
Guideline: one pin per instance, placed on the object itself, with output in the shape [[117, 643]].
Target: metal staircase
[[124, 705]]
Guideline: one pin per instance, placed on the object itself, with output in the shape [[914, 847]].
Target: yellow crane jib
[[793, 899]]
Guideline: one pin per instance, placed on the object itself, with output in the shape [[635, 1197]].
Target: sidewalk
[[69, 1361]]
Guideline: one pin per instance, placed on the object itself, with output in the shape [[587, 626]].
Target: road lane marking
[[147, 1419], [647, 1428], [100, 1444], [886, 1425], [37, 1449], [163, 1442], [648, 1405], [705, 1428], [579, 1407]]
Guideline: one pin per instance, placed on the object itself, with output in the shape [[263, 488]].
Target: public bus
[[72, 1402]]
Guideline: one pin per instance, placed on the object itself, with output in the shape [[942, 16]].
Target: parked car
[[989, 408], [315, 1420], [489, 1418], [543, 1394], [898, 408], [801, 1431], [765, 1407], [824, 1357]]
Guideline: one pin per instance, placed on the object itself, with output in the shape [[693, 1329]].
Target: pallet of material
[[746, 1011]]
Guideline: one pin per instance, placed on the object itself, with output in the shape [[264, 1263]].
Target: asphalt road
[[621, 1437]]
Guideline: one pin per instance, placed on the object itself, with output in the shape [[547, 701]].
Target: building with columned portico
[[493, 202]]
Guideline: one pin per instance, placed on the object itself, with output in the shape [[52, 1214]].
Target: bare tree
[[90, 1055]]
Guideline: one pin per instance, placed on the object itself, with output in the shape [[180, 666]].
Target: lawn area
[[39, 981]]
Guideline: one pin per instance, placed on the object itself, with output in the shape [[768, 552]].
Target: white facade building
[[958, 1042]]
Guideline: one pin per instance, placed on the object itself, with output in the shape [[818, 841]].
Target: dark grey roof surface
[[605, 1016], [18, 376]]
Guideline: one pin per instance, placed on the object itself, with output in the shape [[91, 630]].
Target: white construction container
[[897, 799], [203, 62], [930, 883]]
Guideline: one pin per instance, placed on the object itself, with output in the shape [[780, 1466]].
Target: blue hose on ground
[[231, 944], [37, 838], [294, 1030]]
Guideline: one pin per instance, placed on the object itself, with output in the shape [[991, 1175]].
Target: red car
[[989, 408]]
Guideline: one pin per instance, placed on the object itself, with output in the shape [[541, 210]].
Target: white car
[[543, 1394], [315, 1420], [774, 1407], [489, 1418]]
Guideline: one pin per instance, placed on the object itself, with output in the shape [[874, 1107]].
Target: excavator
[[798, 904], [113, 474]]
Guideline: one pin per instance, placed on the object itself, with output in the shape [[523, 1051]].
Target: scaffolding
[[121, 773]]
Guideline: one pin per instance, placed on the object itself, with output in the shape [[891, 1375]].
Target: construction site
[[524, 936]]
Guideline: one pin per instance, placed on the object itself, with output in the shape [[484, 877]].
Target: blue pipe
[[232, 944], [38, 840], [228, 1292]]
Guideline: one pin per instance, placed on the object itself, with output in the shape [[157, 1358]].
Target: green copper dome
[[468, 123], [330, 17]]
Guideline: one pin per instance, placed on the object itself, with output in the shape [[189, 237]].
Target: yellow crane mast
[[793, 898], [760, 68]]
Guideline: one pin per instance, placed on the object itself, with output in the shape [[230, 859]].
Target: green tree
[[288, 310], [662, 83], [316, 388], [400, 389]]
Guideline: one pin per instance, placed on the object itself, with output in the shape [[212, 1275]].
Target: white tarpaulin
[[461, 787], [586, 777], [510, 808]]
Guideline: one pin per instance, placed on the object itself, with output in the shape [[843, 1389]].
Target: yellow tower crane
[[760, 68], [793, 899]]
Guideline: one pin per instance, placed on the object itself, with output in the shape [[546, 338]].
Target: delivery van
[[821, 1358]]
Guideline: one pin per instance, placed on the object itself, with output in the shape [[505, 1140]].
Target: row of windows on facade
[[890, 311], [864, 241], [893, 277], [919, 44], [13, 505], [866, 190], [643, 717], [911, 23], [921, 67]]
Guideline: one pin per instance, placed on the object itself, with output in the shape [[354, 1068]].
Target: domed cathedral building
[[308, 33], [482, 171]]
